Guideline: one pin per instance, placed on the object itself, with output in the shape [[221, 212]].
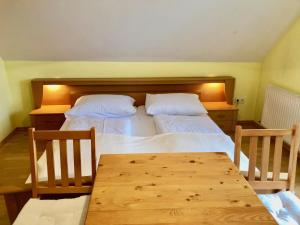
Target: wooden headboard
[[64, 91]]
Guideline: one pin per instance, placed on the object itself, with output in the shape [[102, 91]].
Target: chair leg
[[14, 203]]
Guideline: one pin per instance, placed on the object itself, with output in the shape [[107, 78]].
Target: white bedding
[[195, 124], [102, 125], [284, 207], [139, 124], [163, 143], [138, 134]]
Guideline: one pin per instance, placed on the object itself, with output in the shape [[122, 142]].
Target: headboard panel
[[56, 91]]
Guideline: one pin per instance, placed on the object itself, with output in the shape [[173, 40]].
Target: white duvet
[[284, 207], [140, 124], [102, 125], [163, 143], [192, 124]]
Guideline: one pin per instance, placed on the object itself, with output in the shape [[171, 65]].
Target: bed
[[142, 133]]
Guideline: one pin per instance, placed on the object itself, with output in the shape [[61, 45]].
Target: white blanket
[[102, 125], [164, 143], [284, 207], [194, 124]]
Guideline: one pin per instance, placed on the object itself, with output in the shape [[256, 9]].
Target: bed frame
[[209, 89]]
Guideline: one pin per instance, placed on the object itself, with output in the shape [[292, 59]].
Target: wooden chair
[[269, 180], [283, 205], [36, 208]]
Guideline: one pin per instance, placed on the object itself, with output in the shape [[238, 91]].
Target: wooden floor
[[14, 152]]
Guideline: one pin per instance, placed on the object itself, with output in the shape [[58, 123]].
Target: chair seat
[[49, 212], [284, 207]]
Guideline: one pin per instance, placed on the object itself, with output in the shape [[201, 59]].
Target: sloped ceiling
[[143, 30]]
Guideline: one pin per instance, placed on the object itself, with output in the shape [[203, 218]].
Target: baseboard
[[250, 124]]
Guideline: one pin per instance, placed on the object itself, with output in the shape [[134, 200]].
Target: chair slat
[[33, 164], [93, 153], [62, 135], [238, 145], [265, 158], [265, 132], [252, 157], [50, 164], [295, 142], [277, 157], [63, 163], [77, 162], [267, 185], [66, 190]]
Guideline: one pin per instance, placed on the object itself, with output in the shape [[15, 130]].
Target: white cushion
[[103, 106], [284, 207], [54, 212], [174, 104]]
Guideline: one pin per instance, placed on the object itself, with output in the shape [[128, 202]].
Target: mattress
[[202, 124]]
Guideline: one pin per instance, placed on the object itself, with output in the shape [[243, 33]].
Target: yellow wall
[[282, 65], [21, 72], [5, 104]]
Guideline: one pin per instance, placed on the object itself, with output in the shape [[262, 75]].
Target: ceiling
[[143, 30]]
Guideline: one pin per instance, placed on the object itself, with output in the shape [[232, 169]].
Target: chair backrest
[[65, 185], [269, 180]]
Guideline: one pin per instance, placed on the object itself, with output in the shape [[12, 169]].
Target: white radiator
[[281, 108]]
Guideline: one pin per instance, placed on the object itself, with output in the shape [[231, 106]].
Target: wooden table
[[183, 188]]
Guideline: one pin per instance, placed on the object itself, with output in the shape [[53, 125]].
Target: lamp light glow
[[53, 87]]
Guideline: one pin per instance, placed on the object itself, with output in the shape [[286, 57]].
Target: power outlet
[[239, 101]]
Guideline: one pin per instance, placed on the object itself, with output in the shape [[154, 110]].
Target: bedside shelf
[[48, 117], [223, 114]]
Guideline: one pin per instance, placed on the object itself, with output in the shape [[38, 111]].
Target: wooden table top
[[181, 188]]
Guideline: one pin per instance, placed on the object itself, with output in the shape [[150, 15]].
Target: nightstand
[[48, 117], [223, 114]]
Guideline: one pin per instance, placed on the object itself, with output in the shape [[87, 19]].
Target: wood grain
[[64, 163], [135, 87], [183, 188], [265, 158], [50, 164], [252, 157]]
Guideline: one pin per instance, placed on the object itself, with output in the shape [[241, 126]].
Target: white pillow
[[174, 104], [103, 106]]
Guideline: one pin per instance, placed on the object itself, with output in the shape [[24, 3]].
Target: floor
[[15, 152]]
